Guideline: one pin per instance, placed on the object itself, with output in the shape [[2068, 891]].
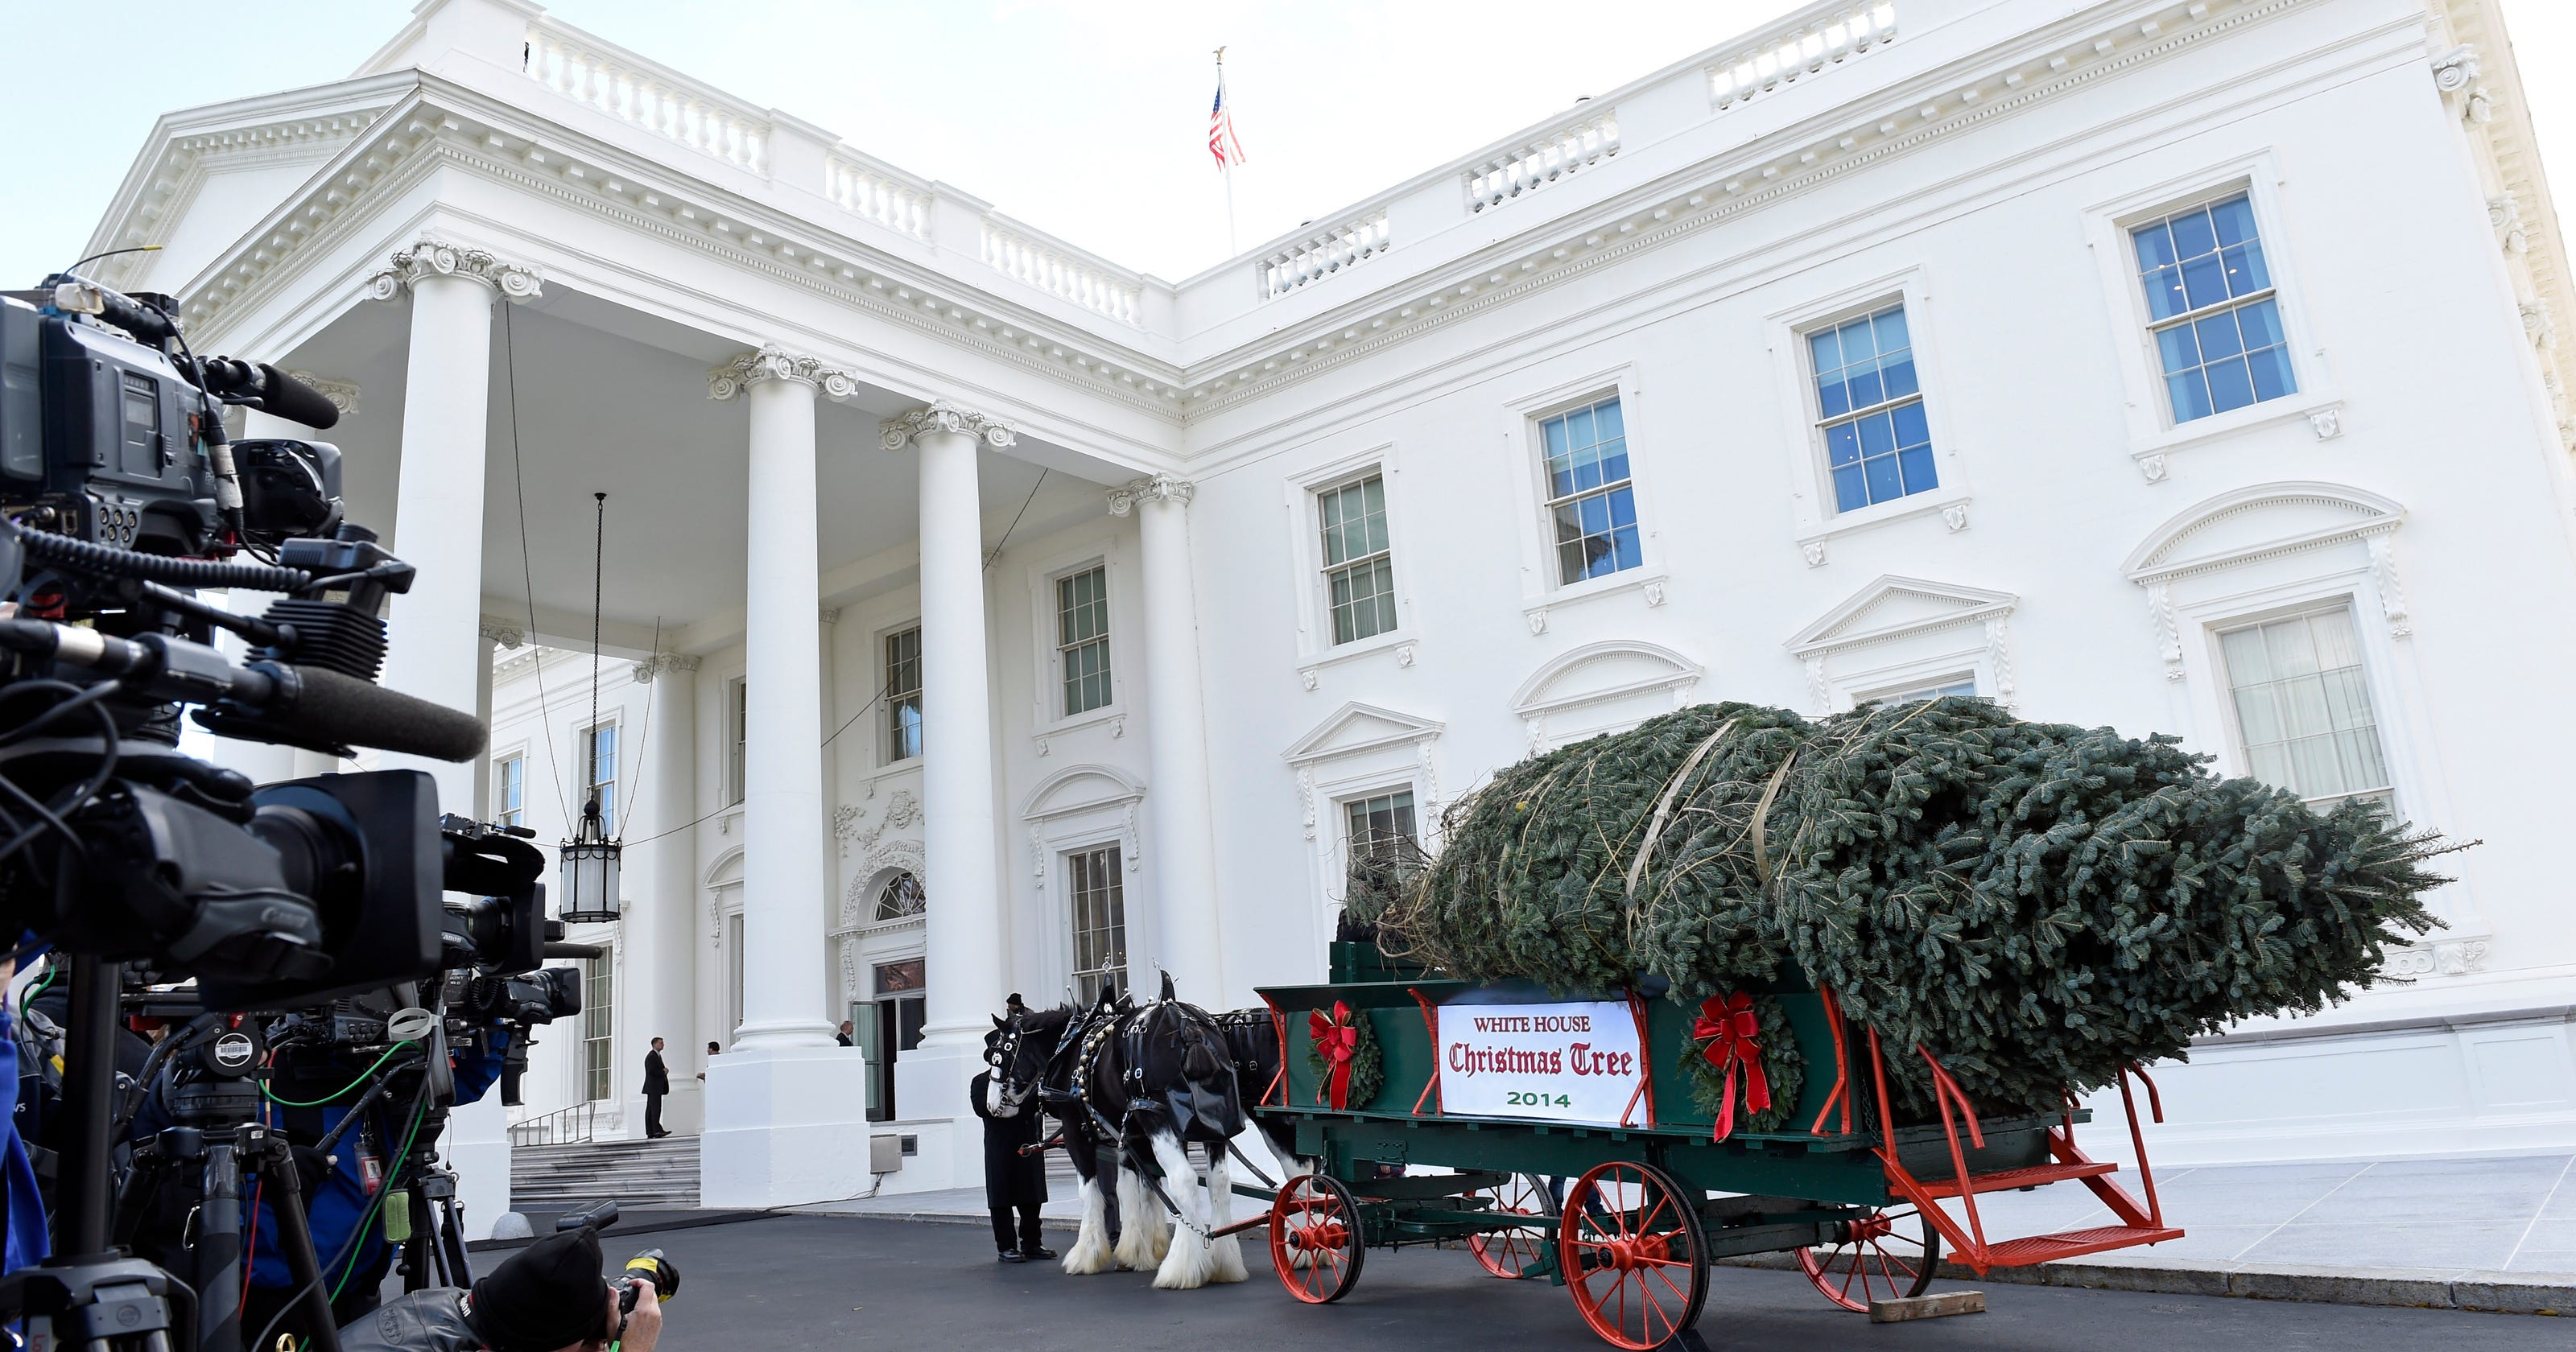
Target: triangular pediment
[[1895, 606], [2259, 522], [1360, 727]]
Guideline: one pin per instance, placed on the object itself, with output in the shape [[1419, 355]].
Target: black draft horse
[[1135, 1087]]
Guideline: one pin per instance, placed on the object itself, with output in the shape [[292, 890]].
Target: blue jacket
[[22, 1208], [334, 1209]]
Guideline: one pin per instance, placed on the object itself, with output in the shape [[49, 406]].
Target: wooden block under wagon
[[1927, 1307]]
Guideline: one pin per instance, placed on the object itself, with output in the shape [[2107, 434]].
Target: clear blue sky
[[1085, 118]]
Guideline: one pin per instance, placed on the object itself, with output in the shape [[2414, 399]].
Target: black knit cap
[[548, 1295]]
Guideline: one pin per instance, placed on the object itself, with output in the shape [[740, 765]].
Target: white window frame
[[1047, 717], [884, 711], [517, 753], [1077, 808], [737, 721], [1343, 804], [1522, 418], [1316, 650], [1851, 661], [2233, 724], [603, 968], [2148, 413], [1064, 856], [1813, 518], [1332, 768], [613, 720]]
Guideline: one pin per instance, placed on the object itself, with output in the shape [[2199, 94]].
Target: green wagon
[[1628, 1210]]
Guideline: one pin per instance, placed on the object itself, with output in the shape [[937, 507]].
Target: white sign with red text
[[1559, 1063]]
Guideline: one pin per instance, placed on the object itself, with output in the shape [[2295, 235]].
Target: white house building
[[994, 618]]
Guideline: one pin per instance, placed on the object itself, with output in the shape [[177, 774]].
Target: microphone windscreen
[[293, 400], [340, 708]]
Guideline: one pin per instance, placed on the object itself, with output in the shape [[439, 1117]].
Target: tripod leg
[[421, 1253], [89, 1096], [303, 1265], [217, 1270], [451, 1239]]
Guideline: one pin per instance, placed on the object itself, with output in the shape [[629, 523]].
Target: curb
[[2536, 1293]]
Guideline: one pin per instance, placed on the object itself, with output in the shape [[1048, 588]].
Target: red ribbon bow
[[1339, 1044], [1732, 1031]]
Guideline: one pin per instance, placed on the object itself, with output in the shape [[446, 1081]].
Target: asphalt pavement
[[790, 1282]]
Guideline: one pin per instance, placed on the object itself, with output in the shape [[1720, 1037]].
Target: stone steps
[[657, 1174]]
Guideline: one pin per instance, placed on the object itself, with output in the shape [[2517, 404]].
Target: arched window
[[900, 897]]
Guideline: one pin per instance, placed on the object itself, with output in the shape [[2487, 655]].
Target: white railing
[[1319, 256], [1539, 163], [869, 191], [1060, 272], [1804, 44], [641, 94]]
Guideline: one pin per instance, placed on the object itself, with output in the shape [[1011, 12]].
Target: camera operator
[[549, 1297]]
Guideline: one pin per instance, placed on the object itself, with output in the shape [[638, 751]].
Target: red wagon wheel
[[1630, 1245], [1315, 1239], [1863, 1265], [1513, 1253]]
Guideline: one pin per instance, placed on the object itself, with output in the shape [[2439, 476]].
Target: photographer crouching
[[549, 1297]]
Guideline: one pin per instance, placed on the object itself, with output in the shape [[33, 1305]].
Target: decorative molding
[[1310, 677], [2538, 325], [2326, 422], [1152, 488], [1999, 656], [1892, 609], [437, 258], [1537, 617], [2392, 590], [2449, 957], [2160, 613], [1814, 550], [772, 362], [506, 633], [343, 394], [1306, 797], [941, 416], [2504, 215], [903, 812], [2457, 74], [1637, 668], [646, 670], [858, 905], [2153, 467], [1653, 590], [1128, 845], [1820, 691], [1955, 516], [1404, 655]]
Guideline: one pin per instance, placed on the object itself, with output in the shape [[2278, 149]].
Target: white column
[[1183, 845], [661, 956], [496, 634], [964, 916], [785, 1104], [437, 651]]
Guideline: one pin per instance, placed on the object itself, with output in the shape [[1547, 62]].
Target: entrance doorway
[[901, 1007]]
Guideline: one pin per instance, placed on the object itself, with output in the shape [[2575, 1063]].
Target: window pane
[[2193, 234], [1842, 444], [2218, 337], [2155, 247], [1825, 350], [1883, 482], [2204, 282], [1916, 464], [1877, 435], [1899, 373], [2245, 272], [2303, 709], [2234, 220], [1850, 494], [1911, 427]]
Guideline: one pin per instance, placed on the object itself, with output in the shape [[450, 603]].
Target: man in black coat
[[1012, 1181], [657, 1083]]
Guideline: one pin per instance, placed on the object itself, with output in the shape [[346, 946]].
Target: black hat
[[548, 1295]]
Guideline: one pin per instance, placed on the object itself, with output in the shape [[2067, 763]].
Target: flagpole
[[1226, 165]]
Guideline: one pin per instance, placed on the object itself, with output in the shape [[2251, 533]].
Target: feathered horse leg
[[1190, 1262], [1090, 1252], [1226, 1250], [1143, 1233]]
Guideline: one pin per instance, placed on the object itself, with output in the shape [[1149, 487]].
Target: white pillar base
[[930, 1084], [785, 1126]]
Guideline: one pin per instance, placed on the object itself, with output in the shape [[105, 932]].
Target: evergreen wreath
[[1368, 1066], [1782, 1065]]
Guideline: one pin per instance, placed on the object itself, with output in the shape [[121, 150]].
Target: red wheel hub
[[1329, 1235], [1628, 1253], [1875, 1225]]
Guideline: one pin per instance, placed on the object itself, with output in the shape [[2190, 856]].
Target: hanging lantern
[[589, 871], [589, 861]]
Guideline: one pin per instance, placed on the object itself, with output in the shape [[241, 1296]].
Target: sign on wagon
[[1559, 1063]]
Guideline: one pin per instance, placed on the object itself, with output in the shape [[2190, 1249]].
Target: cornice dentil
[[1152, 488], [773, 362], [438, 258], [943, 416]]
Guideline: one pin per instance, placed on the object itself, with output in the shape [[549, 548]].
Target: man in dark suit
[[657, 1082], [1012, 1181]]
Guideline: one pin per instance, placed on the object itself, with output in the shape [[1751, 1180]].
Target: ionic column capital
[[437, 258], [655, 665], [343, 394], [943, 416], [772, 362], [1152, 488], [506, 633]]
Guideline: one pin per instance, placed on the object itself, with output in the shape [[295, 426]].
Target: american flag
[[1221, 139]]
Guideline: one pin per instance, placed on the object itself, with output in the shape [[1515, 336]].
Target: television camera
[[121, 494]]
